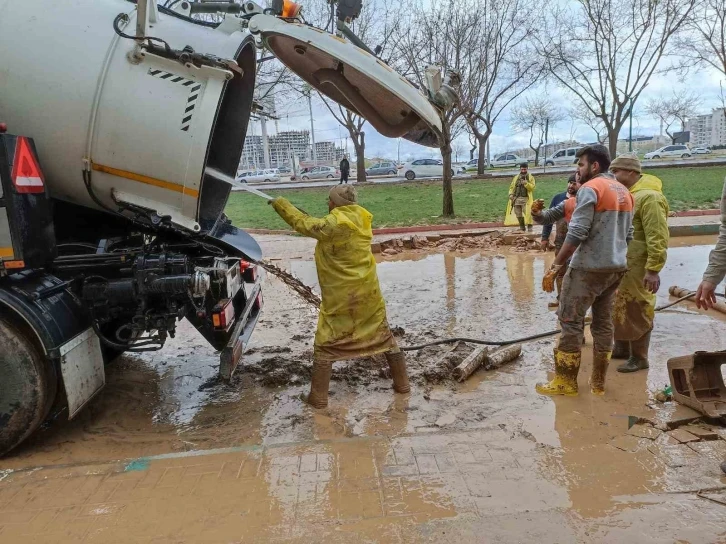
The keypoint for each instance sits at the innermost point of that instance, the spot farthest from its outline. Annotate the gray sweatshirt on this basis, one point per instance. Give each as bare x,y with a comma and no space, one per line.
716,269
601,226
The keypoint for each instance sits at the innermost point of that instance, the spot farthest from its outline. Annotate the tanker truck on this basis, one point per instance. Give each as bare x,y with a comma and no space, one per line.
122,124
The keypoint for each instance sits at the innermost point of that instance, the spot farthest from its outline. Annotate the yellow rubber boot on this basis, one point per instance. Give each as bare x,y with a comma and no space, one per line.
318,396
567,365
600,361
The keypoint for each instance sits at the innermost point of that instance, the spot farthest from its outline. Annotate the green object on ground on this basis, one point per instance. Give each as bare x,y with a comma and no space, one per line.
477,200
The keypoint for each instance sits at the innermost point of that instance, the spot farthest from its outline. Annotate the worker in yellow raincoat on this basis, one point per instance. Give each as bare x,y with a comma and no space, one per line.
352,320
634,307
519,207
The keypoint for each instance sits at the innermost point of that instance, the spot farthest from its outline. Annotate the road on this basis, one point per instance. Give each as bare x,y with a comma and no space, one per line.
503,173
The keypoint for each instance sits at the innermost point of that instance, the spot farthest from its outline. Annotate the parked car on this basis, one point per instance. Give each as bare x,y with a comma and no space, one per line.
472,165
386,168
423,168
268,175
681,151
320,172
702,150
563,156
507,159
285,171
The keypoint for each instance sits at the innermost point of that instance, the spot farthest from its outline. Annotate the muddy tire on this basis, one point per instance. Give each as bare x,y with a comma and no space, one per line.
28,386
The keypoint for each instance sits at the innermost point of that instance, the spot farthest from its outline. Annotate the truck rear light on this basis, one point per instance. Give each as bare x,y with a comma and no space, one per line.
223,314
250,273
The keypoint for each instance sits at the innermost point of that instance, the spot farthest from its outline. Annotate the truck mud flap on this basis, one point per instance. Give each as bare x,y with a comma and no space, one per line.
234,241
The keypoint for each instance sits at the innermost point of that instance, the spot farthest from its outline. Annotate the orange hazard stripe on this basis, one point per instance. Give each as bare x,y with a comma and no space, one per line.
6,252
146,179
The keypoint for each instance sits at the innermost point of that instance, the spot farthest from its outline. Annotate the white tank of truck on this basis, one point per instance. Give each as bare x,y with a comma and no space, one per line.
147,121
121,126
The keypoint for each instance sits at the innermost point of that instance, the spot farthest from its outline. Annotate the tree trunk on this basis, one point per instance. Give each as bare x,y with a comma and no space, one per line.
360,152
448,208
536,157
613,134
482,153
471,153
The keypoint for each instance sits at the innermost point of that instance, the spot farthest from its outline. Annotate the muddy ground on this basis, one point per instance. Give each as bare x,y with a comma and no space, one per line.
603,479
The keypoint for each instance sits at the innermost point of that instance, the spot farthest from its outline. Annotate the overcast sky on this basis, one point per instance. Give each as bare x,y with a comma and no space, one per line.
295,116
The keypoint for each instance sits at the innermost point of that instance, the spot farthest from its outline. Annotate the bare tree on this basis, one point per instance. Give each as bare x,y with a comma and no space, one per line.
458,149
706,44
503,65
670,110
472,143
583,113
379,23
444,35
606,51
534,115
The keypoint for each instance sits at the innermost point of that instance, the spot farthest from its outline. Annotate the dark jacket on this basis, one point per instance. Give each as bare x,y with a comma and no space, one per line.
344,166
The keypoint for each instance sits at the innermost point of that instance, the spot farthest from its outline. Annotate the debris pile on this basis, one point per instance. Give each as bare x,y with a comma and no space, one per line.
451,243
524,243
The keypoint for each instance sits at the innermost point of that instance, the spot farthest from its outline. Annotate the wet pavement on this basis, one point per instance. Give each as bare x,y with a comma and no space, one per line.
167,453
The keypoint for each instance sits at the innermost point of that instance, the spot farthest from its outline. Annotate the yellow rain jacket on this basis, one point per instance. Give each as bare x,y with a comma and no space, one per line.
509,218
352,320
634,308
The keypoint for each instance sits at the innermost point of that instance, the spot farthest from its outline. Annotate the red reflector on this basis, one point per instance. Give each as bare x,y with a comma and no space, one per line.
14,264
243,265
26,174
223,314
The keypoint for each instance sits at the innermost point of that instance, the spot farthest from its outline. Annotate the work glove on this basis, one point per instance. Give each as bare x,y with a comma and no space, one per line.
537,206
548,282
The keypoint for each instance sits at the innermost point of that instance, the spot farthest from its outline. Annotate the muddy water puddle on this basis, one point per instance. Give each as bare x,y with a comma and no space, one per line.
487,447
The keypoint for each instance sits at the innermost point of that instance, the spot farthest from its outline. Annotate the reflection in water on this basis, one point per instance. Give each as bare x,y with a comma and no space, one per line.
521,278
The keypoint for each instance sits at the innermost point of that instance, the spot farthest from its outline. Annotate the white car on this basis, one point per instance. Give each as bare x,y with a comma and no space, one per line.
701,150
507,159
268,175
563,156
422,168
472,166
677,150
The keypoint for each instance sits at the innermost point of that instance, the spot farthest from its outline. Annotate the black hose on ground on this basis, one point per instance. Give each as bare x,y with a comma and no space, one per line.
519,340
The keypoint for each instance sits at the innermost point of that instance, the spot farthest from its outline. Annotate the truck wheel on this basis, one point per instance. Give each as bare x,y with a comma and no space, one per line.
27,386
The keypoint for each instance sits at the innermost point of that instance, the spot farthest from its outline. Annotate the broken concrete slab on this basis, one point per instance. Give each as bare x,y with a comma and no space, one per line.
408,242
683,436
678,455
674,415
627,443
644,431
701,432
715,450
376,247
433,237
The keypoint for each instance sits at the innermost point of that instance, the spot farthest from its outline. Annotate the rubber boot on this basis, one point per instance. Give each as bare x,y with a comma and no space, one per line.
567,365
638,355
529,228
600,361
621,350
318,397
521,224
397,364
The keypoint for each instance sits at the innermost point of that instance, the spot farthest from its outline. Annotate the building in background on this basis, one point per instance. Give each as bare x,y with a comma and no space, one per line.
327,152
252,153
285,145
709,129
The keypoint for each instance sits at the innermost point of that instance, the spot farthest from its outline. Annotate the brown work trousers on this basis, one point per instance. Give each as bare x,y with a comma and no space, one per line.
582,290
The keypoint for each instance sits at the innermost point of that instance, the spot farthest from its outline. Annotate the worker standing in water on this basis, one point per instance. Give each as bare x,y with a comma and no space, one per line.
634,308
519,207
597,244
352,320
565,204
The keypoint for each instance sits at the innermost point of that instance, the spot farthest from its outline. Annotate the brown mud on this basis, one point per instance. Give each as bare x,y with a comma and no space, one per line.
487,456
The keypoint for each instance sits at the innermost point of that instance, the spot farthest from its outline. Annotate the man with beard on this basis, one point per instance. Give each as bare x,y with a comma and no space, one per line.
597,244
573,184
